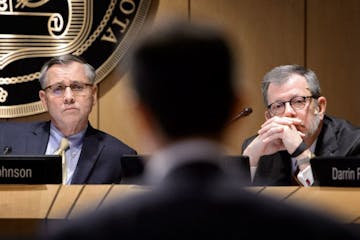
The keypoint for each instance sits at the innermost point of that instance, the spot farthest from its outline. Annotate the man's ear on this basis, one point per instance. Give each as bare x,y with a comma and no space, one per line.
144,116
94,94
321,106
152,133
42,96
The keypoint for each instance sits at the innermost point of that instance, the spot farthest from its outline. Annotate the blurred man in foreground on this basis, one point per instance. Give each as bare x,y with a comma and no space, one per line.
183,79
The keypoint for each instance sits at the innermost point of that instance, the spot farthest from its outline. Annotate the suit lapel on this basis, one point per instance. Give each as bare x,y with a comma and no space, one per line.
90,151
326,144
38,139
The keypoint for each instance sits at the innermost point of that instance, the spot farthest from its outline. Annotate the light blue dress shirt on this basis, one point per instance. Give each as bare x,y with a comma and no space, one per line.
72,153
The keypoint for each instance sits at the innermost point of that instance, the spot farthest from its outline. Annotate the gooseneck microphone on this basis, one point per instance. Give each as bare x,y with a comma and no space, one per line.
7,150
245,112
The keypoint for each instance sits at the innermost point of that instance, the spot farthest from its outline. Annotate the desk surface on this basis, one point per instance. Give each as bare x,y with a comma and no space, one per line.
66,201
342,203
57,201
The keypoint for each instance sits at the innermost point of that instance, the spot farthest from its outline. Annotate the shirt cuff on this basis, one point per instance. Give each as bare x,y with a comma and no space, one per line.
305,177
252,172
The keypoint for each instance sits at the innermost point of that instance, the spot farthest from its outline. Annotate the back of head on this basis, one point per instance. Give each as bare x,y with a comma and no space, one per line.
183,73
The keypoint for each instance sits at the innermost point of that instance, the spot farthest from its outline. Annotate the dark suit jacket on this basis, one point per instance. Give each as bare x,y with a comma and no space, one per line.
99,161
337,138
198,201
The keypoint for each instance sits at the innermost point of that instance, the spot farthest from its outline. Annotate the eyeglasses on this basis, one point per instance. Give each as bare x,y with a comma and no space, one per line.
58,89
297,103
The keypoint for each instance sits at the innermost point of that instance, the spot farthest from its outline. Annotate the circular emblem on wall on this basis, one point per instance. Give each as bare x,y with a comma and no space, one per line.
33,31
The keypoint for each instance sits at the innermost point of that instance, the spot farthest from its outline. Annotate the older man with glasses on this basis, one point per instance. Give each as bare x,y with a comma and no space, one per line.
296,129
69,93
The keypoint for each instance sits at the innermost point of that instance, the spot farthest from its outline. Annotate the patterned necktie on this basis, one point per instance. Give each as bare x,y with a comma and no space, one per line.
64,144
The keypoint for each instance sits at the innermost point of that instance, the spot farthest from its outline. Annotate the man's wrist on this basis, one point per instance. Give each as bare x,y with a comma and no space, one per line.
301,161
305,158
299,150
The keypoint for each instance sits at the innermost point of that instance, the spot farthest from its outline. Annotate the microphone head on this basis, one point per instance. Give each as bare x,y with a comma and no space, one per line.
247,111
7,150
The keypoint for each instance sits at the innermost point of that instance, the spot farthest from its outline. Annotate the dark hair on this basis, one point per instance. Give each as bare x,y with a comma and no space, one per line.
64,60
184,74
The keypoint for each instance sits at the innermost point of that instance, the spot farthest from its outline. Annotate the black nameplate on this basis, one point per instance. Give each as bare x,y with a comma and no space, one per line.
336,171
30,169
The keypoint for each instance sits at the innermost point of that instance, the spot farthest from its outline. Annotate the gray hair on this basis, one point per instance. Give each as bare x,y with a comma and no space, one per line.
281,74
64,60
